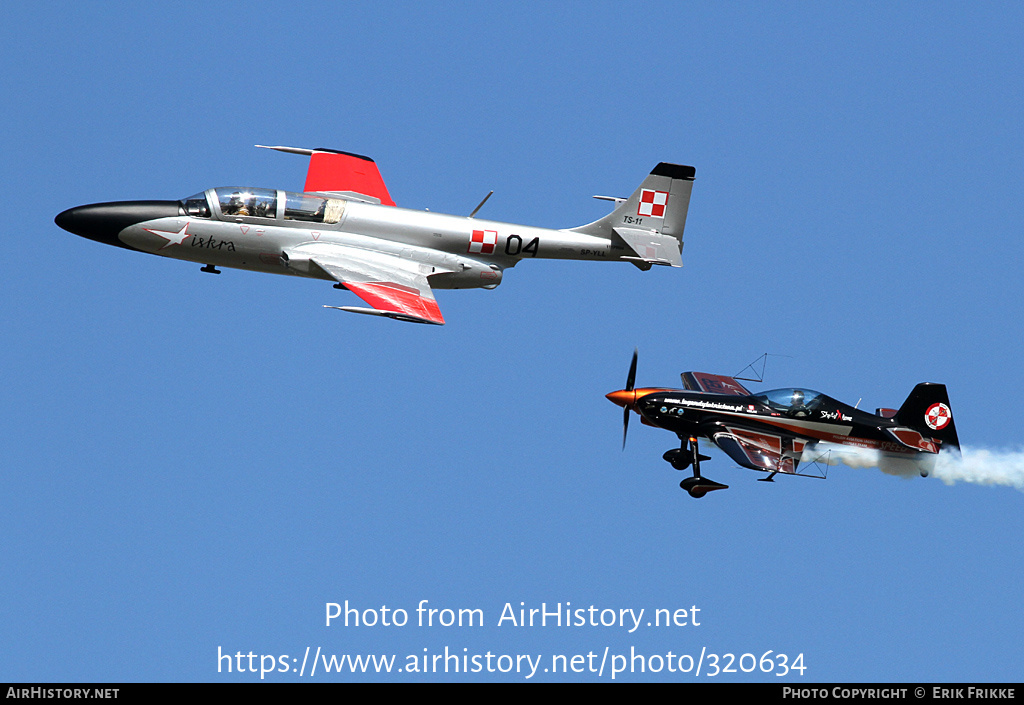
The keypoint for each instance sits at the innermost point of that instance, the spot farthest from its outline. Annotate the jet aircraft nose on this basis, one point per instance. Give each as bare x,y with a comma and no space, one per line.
103,221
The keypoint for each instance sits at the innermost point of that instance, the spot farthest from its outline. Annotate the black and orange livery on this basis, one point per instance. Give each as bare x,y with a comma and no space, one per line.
775,431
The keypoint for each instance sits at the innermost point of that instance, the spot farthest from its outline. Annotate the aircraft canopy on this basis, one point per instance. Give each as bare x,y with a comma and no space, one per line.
792,401
236,202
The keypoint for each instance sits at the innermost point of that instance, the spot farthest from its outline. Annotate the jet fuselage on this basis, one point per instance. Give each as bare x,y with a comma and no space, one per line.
465,252
345,227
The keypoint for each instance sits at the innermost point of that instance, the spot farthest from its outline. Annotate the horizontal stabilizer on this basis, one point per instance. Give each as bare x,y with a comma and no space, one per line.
651,247
913,439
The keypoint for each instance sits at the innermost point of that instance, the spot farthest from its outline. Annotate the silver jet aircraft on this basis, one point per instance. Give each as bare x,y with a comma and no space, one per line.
345,228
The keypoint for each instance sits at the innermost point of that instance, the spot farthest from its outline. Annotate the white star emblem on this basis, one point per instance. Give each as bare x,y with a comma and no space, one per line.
173,238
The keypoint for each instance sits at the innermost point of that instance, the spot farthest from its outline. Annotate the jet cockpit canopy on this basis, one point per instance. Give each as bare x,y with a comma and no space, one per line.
243,202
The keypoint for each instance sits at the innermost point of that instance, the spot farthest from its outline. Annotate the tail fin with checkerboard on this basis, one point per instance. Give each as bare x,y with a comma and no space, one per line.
650,223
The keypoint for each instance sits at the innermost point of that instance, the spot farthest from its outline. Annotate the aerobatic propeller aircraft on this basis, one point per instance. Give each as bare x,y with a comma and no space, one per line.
775,431
344,227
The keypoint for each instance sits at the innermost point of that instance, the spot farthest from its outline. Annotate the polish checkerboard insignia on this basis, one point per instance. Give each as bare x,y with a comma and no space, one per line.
938,416
483,242
652,203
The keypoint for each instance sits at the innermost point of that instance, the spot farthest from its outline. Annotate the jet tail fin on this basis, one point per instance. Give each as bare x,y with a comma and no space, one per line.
927,410
650,222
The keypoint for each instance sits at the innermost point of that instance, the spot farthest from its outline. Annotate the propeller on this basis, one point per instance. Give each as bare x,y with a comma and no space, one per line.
630,381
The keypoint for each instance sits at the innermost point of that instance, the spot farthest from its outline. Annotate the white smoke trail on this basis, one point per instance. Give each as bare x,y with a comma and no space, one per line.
978,465
983,467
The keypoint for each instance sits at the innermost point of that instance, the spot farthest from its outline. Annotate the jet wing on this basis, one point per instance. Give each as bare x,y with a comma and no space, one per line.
720,384
758,450
396,287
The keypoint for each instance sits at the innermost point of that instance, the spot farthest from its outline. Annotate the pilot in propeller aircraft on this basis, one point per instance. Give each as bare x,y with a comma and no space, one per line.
775,431
345,228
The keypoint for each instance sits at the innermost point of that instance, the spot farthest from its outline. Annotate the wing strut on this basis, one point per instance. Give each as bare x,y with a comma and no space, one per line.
755,375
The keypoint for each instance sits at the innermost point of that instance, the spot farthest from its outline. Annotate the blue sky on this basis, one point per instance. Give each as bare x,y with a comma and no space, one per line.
195,463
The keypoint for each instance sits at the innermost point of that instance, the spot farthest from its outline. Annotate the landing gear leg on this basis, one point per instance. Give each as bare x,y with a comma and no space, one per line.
697,457
686,455
698,486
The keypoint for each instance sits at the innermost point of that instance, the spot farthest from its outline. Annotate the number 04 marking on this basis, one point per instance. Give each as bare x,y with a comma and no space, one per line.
517,247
